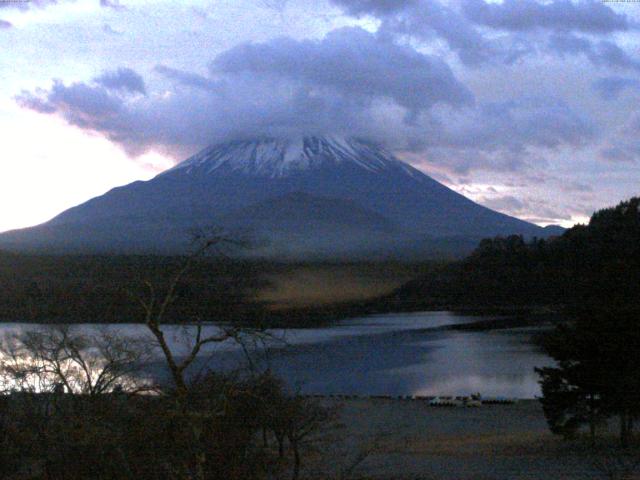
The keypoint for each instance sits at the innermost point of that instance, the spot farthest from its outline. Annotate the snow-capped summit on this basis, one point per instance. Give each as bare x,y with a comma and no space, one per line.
279,157
307,197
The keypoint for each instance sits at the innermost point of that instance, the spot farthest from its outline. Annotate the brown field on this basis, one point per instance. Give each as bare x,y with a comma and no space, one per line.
316,285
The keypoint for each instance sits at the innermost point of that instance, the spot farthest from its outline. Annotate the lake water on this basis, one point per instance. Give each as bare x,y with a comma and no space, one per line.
392,354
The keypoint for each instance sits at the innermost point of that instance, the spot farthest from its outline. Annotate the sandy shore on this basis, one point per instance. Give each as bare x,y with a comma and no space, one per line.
403,439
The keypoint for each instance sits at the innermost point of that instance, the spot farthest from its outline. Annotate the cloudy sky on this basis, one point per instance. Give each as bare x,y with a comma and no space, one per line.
528,107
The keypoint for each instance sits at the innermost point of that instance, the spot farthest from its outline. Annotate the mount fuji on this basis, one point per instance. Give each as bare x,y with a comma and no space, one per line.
311,197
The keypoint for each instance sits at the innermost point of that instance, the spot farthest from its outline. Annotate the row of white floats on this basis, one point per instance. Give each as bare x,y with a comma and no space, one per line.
440,401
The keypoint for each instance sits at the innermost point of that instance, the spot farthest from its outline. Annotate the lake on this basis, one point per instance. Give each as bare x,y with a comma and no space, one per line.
391,354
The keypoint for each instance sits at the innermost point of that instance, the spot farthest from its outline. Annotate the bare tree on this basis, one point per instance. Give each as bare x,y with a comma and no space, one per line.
155,305
301,418
62,358
351,463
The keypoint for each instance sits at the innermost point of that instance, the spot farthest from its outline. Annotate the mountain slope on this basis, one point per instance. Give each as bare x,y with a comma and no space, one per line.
301,225
225,185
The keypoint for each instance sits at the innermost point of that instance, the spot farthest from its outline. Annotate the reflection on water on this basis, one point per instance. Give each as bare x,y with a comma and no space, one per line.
409,355
394,354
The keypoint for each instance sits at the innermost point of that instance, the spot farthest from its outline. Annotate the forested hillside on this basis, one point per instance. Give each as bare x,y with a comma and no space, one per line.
588,264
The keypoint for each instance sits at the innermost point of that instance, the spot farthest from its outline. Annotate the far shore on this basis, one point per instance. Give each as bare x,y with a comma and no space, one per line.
104,289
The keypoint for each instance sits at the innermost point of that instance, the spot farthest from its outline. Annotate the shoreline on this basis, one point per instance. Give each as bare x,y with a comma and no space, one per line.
492,400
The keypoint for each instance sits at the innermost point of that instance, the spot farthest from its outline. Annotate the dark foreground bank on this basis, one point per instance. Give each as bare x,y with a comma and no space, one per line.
404,439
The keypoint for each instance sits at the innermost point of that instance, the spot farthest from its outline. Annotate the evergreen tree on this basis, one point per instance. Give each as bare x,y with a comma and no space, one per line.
597,374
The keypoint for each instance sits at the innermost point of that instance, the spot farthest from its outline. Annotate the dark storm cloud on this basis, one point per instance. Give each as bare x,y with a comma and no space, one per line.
186,78
115,4
601,53
610,88
505,136
122,79
515,125
79,103
591,16
426,19
351,82
525,24
491,137
346,83
27,4
570,44
375,7
609,54
354,62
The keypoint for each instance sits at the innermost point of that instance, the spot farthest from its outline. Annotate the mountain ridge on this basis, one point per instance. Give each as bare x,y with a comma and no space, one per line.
224,182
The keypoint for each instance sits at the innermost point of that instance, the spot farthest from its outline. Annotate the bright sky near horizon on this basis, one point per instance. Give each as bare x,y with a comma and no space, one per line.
528,107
